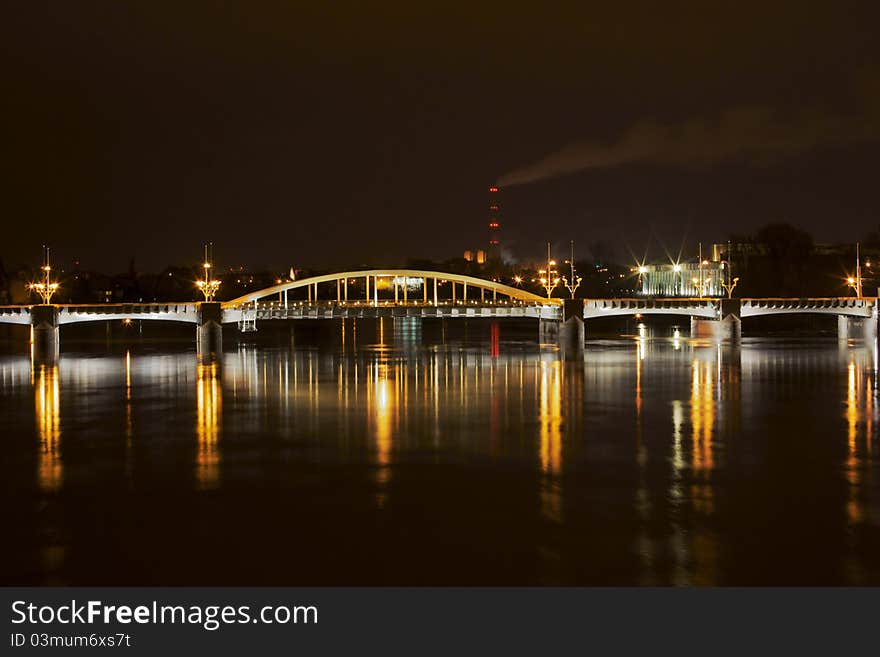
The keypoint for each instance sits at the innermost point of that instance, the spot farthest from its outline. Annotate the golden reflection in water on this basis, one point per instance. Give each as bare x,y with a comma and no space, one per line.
702,413
128,425
381,406
551,416
853,416
640,356
642,498
705,391
209,395
48,401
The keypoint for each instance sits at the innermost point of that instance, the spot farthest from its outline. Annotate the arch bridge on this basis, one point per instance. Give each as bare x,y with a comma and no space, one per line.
407,292
423,293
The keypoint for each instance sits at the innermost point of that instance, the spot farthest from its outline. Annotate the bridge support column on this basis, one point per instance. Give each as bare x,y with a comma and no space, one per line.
571,331
209,331
567,334
45,340
727,328
548,330
856,328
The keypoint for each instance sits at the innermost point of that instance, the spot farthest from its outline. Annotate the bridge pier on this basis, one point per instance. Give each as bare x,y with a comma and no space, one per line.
568,333
209,330
571,331
727,328
45,339
856,328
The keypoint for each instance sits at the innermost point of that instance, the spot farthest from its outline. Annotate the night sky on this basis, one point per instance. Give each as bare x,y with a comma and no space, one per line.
329,134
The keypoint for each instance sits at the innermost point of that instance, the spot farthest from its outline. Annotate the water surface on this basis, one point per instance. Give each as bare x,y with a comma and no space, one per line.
464,454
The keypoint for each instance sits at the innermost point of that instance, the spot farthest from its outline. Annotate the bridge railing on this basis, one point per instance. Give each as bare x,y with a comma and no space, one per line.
388,303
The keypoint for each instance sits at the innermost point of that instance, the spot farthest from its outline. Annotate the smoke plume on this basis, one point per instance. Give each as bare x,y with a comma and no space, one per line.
747,134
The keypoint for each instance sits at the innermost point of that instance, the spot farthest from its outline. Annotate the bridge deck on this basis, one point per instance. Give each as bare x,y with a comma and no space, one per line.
593,308
334,310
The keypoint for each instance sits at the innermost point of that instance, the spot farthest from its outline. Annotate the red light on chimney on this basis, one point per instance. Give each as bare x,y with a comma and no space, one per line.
493,189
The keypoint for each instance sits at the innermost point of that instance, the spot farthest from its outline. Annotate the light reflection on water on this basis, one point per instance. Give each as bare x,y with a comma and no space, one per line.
658,460
209,396
48,413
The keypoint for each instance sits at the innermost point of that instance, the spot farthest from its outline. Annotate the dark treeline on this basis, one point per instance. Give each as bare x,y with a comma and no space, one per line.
780,260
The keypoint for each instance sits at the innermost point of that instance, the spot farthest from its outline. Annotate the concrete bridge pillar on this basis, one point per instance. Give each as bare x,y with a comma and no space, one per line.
45,338
567,333
548,330
571,331
728,326
209,332
856,328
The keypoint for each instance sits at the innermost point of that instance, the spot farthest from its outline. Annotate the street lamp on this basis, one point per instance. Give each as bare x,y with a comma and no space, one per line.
701,285
549,276
855,284
575,281
208,285
728,283
858,271
46,288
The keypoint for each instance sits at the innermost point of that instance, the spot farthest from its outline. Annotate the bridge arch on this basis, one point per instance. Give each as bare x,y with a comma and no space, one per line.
429,296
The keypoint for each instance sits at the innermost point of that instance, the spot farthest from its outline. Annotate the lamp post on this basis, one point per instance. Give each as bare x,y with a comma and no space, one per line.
549,276
46,288
728,283
851,281
208,285
858,271
575,282
855,282
700,284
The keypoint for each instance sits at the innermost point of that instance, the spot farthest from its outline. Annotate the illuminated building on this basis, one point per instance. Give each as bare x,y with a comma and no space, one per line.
685,279
478,256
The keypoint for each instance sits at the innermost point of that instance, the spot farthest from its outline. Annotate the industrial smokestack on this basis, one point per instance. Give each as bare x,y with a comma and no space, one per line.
494,251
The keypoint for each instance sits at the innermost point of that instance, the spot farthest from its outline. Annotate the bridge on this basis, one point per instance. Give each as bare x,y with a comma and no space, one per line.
422,294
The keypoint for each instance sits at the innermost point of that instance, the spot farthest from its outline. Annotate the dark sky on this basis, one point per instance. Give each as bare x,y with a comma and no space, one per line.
327,134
